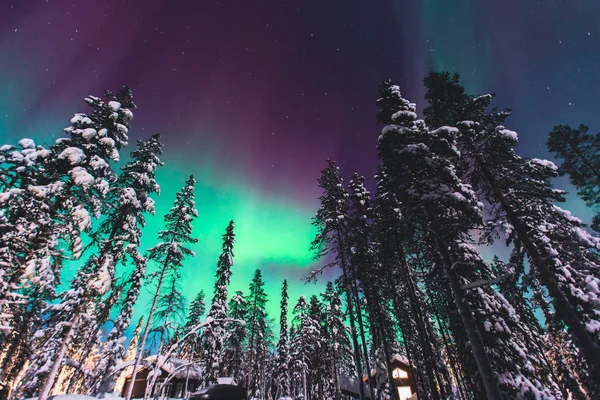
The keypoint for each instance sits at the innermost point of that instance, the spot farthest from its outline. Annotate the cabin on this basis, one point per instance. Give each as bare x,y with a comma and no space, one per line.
181,376
402,380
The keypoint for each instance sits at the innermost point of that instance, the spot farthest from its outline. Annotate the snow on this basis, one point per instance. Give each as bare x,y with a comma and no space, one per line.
81,177
508,134
404,114
445,129
27,143
108,142
88,133
81,119
6,147
127,114
74,154
114,105
545,163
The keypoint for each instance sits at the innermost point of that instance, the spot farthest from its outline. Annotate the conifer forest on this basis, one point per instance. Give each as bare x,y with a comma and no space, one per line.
309,208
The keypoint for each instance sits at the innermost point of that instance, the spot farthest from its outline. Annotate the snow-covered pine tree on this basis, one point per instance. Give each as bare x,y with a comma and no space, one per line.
235,344
28,230
213,336
258,337
337,352
579,152
74,312
332,239
304,345
197,308
79,165
319,379
119,236
368,278
421,166
282,359
522,203
397,279
71,180
169,254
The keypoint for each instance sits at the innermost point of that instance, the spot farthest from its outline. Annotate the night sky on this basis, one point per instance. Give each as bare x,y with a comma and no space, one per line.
253,96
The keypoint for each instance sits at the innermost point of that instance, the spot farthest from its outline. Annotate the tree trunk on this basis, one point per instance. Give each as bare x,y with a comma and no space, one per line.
49,381
140,353
484,366
361,386
565,310
362,336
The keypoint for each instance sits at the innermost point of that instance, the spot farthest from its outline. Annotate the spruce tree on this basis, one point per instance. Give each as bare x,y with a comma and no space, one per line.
258,337
304,345
422,169
397,279
213,337
169,254
235,344
332,240
79,166
282,360
128,202
522,204
337,352
197,309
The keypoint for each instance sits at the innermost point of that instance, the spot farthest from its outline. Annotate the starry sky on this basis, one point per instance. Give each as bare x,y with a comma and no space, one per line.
253,96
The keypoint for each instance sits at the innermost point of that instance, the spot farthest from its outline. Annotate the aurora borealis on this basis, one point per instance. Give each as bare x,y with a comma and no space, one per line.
253,96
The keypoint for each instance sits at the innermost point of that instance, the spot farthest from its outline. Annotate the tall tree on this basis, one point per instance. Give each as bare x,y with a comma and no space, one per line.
305,344
213,337
128,202
338,349
522,204
422,167
282,360
169,254
332,240
80,165
258,337
235,342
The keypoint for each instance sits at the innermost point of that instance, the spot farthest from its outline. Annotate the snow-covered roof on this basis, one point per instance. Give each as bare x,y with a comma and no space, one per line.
176,367
226,380
400,359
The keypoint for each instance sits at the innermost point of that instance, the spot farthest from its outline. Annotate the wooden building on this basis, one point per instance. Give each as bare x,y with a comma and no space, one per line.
177,379
402,379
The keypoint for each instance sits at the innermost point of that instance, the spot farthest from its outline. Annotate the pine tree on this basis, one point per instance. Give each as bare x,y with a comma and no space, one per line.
397,280
79,167
197,309
304,345
337,353
170,310
128,202
235,343
258,337
282,360
579,152
169,254
332,239
522,203
213,336
421,168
